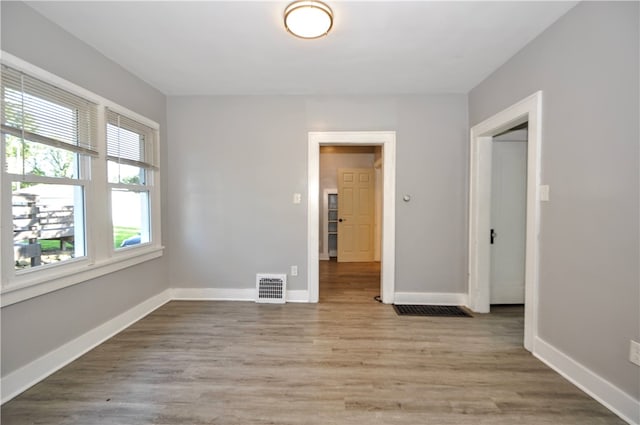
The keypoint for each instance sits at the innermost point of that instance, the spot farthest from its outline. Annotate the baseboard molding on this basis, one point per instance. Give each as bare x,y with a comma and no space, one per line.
228,294
30,374
214,294
607,394
324,257
298,296
432,298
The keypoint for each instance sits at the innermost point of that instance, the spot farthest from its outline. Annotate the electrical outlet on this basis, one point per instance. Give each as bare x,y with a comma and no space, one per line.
294,270
634,352
544,192
297,198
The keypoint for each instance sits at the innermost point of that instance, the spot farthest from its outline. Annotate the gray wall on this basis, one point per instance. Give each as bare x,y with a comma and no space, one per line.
236,162
586,64
34,327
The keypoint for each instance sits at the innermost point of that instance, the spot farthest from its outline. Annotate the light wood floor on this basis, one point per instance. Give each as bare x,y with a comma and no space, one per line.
346,360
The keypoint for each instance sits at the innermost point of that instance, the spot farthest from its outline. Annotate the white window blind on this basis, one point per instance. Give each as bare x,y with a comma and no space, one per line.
130,142
35,111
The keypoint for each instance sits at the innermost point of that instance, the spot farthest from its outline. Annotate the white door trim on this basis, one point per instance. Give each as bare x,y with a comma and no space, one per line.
386,139
527,110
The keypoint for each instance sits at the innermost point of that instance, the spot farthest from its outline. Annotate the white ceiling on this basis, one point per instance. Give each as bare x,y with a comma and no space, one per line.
241,47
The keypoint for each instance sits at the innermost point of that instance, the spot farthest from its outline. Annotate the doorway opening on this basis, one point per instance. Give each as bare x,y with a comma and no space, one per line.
508,216
350,223
527,111
385,142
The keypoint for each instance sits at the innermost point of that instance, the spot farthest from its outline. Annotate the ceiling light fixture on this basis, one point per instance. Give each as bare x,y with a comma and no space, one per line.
308,19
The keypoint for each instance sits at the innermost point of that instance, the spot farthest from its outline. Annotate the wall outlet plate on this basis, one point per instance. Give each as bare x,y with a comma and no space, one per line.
544,193
634,352
294,270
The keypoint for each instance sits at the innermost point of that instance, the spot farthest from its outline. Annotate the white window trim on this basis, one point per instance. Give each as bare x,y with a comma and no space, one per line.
101,257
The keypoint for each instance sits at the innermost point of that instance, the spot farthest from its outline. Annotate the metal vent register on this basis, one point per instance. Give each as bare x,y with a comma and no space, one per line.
271,288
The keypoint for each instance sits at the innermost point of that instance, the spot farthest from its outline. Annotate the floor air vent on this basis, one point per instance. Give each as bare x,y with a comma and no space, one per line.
271,288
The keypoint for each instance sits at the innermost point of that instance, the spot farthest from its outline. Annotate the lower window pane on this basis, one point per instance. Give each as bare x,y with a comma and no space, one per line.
48,223
130,215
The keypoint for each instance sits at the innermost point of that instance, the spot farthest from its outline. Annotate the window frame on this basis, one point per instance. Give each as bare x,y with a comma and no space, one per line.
150,180
100,256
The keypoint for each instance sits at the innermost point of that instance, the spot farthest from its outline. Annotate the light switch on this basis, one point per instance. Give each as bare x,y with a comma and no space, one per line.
544,192
297,198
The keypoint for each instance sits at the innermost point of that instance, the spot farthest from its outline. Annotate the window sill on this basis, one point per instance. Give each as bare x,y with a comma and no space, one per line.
43,283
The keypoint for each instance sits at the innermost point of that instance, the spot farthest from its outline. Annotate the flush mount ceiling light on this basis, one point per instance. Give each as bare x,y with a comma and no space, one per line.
308,19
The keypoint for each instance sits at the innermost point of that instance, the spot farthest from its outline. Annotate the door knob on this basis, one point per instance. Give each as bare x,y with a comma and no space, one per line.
341,220
494,235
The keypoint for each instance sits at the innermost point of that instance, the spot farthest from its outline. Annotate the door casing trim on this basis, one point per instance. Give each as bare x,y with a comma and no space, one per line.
527,110
386,139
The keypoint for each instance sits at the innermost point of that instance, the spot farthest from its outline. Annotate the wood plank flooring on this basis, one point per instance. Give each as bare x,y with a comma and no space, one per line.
346,360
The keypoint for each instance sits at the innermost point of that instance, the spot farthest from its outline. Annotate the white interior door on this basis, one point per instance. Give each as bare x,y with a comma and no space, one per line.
508,221
356,191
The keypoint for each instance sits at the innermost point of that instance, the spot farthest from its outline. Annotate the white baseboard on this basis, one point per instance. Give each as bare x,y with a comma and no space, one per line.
610,396
30,374
214,294
432,298
298,296
227,294
324,257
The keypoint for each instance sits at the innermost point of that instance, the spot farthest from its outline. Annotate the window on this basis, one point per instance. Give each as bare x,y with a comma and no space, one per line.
48,136
130,156
79,184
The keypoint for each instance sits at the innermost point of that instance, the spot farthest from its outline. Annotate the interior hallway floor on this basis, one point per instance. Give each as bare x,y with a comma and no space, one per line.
346,360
